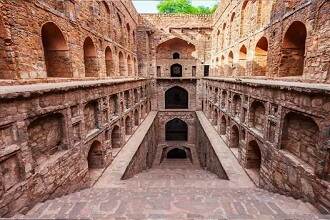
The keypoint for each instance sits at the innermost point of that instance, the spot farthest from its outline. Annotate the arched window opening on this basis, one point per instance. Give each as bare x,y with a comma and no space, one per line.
253,156
223,99
122,67
136,96
128,126
176,56
258,118
136,118
135,68
129,65
115,137
293,50
242,60
90,116
56,51
143,112
300,137
176,153
223,126
176,130
95,156
260,58
230,63
127,99
90,58
114,106
109,65
45,137
237,103
176,70
234,137
176,98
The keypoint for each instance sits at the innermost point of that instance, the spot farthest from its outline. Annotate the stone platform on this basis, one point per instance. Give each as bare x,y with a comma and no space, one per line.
174,190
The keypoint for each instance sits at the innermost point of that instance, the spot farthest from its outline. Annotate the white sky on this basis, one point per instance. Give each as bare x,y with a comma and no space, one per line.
150,6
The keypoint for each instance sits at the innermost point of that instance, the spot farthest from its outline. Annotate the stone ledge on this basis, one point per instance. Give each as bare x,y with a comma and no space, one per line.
287,85
233,169
114,173
9,92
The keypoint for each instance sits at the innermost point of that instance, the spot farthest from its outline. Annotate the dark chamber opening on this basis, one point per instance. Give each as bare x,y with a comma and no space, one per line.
176,70
176,56
176,153
176,98
176,130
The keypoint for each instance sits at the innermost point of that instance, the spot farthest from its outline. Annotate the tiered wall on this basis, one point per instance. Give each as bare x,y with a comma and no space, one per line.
158,31
279,133
55,141
280,39
66,39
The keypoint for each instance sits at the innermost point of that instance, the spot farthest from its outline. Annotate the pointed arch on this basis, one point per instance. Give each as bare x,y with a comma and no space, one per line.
176,98
129,65
230,63
293,50
122,66
95,156
109,64
56,51
90,58
260,57
176,130
242,60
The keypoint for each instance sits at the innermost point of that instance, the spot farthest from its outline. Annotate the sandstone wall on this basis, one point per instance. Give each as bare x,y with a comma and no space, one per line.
52,140
30,46
284,40
206,155
145,155
157,31
280,134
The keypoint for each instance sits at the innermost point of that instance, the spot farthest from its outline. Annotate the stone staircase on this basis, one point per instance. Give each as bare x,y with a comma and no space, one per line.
174,190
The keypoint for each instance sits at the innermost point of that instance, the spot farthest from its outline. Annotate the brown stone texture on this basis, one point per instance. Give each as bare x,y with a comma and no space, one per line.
275,39
52,142
65,38
281,143
78,78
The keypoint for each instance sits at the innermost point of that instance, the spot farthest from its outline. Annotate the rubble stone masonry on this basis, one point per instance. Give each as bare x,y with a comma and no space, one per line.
78,77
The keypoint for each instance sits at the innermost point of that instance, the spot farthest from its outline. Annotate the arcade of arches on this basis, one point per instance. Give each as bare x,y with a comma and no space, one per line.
93,90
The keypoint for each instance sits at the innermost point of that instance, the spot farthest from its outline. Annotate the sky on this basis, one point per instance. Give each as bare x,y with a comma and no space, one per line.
150,6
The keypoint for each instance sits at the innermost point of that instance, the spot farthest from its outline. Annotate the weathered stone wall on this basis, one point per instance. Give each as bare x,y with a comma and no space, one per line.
145,155
281,134
52,139
274,39
56,34
206,155
161,86
163,31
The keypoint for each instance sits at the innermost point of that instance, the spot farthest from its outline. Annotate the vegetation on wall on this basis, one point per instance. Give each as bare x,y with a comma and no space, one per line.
183,7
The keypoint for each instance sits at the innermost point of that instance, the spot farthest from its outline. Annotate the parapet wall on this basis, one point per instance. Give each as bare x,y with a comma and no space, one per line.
55,139
280,132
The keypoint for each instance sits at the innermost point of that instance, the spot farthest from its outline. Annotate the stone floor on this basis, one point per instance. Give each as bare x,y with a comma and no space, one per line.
174,190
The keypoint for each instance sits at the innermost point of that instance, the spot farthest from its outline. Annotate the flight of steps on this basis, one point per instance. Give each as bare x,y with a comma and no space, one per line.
175,190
